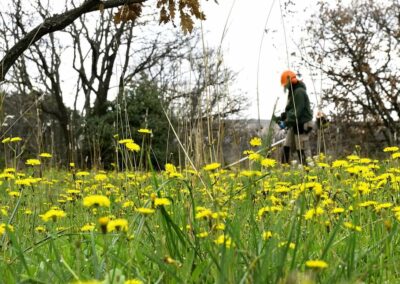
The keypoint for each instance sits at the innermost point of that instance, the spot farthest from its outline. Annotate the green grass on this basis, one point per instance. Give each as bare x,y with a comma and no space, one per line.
212,229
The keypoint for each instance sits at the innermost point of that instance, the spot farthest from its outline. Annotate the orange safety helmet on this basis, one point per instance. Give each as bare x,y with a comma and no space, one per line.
288,75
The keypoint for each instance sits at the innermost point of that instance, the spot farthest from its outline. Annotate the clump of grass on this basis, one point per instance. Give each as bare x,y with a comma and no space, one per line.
336,221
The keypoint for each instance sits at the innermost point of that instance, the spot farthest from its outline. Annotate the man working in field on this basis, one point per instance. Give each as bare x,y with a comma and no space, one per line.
297,118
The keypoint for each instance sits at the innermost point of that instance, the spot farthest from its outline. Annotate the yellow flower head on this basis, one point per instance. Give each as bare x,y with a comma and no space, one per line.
119,225
224,240
396,155
318,264
32,162
133,281
340,164
284,244
170,168
4,227
40,229
255,157
132,147
353,158
127,204
202,235
88,227
82,173
352,227
268,163
100,177
45,155
124,141
145,211
255,141
391,149
161,201
103,222
15,139
96,200
212,166
144,131
53,214
266,235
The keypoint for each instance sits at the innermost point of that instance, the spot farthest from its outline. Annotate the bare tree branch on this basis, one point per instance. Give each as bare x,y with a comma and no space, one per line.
52,24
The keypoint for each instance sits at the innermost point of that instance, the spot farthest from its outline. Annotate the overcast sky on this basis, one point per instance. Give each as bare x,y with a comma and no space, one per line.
246,27
247,32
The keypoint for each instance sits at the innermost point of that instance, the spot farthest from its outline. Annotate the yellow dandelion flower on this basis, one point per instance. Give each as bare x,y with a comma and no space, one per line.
100,177
6,140
4,211
255,141
161,201
96,200
53,214
88,227
127,204
268,163
367,203
145,131
283,244
337,210
202,235
133,281
7,176
145,211
255,157
15,139
396,155
10,170
14,193
82,174
103,222
248,152
205,213
212,166
119,225
32,162
4,227
25,181
318,264
170,168
223,240
40,229
266,235
381,206
352,227
220,226
391,149
313,212
365,161
131,146
124,141
353,158
45,155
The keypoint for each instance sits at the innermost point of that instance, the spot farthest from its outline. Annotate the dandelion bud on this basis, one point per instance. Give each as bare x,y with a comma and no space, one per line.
103,221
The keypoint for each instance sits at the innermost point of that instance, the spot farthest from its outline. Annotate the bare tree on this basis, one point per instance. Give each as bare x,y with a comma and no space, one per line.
356,46
127,11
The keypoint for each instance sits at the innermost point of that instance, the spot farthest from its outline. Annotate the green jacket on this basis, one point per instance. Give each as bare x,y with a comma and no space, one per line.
301,103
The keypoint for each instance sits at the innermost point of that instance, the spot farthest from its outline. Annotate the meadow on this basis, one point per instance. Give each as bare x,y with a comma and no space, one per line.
333,221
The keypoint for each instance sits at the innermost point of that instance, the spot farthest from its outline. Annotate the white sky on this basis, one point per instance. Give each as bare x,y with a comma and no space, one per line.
241,46
245,33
